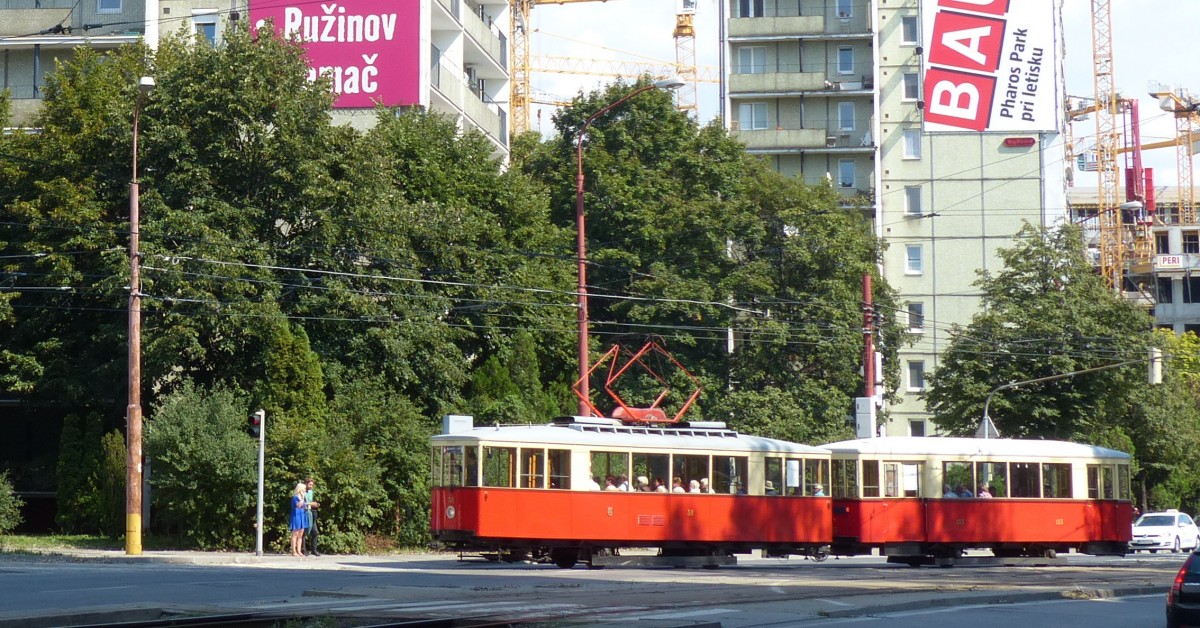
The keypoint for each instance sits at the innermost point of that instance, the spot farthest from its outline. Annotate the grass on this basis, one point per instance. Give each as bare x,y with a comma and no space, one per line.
43,542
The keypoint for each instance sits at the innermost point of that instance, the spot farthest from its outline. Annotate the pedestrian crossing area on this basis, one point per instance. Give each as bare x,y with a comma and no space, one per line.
514,611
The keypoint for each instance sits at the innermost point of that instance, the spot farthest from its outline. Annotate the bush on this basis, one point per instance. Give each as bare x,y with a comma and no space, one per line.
10,506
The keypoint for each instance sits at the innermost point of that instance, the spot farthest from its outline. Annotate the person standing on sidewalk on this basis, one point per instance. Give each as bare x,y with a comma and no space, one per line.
311,533
297,519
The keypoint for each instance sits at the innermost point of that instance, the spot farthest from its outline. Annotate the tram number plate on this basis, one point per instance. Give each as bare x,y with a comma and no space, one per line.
1058,522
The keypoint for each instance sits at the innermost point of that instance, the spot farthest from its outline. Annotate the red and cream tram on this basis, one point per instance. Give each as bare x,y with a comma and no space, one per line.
921,500
572,490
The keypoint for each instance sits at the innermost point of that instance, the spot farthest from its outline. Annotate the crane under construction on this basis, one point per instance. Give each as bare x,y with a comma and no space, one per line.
521,92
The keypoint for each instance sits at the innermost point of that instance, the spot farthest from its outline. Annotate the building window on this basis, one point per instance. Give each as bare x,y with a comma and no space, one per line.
908,30
205,24
1191,289
916,375
752,116
912,144
846,173
1162,244
751,8
912,201
108,6
1191,241
916,317
752,60
845,8
912,90
1164,290
912,259
916,428
846,116
845,60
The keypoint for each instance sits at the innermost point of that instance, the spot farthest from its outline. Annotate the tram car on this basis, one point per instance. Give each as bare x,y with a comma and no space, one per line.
581,489
927,500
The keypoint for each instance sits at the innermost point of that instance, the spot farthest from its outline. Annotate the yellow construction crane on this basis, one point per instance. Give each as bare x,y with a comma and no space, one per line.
519,35
620,69
1112,256
1185,108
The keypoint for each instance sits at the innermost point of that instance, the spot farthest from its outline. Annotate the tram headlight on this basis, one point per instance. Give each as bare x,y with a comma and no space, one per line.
450,512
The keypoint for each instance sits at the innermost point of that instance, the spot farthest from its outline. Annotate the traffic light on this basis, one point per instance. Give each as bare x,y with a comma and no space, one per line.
256,421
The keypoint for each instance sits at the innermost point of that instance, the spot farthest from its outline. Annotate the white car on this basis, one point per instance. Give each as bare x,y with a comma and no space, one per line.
1171,530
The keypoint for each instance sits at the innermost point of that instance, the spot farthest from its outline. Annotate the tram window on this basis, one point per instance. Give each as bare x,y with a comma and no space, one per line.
1056,480
533,465
844,481
558,464
610,463
452,466
870,478
891,479
773,477
792,479
1101,481
688,468
993,476
471,465
816,474
499,466
1025,479
653,466
958,478
1123,489
729,475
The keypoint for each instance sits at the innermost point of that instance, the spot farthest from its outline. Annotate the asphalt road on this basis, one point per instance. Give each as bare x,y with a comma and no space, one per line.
756,592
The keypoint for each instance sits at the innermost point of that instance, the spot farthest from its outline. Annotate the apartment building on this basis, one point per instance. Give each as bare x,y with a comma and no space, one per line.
450,56
939,118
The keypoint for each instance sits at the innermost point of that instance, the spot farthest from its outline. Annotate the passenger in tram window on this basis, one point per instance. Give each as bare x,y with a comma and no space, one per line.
983,492
610,484
643,484
659,487
622,483
818,490
963,491
704,487
948,492
769,488
595,483
693,487
677,485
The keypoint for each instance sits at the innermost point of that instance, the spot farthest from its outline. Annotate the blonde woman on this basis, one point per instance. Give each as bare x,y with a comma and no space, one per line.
298,518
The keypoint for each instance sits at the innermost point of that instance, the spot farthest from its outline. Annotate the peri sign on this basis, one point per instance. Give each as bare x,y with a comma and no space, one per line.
370,50
989,65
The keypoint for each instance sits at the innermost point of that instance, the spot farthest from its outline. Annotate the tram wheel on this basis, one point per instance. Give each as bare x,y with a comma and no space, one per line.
564,557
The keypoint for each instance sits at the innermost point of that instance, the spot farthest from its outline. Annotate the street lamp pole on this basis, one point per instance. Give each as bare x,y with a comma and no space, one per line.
133,460
581,235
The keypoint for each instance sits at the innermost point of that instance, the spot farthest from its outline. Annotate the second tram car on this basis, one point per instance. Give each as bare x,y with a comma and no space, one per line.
583,488
919,500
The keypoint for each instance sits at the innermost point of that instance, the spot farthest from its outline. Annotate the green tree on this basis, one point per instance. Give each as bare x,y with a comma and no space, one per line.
1045,313
10,506
203,467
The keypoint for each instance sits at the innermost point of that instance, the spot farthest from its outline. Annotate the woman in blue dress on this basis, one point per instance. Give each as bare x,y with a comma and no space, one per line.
298,518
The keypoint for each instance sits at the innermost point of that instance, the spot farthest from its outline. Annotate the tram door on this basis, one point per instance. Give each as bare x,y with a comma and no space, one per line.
902,518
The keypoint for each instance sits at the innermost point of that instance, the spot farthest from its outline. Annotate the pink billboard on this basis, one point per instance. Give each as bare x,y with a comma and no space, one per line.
369,49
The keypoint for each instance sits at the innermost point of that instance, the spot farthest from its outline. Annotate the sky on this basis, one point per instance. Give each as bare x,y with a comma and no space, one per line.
1153,40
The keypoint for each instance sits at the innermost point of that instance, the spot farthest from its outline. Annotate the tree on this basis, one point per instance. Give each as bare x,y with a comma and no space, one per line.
10,506
1044,314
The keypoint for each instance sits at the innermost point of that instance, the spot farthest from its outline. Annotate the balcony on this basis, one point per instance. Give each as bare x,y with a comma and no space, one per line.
780,140
777,82
770,27
488,39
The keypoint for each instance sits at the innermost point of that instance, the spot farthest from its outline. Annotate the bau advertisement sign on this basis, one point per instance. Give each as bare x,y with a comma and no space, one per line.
989,65
369,49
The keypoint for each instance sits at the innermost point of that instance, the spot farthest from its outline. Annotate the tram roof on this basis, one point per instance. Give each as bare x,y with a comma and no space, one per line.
618,436
973,447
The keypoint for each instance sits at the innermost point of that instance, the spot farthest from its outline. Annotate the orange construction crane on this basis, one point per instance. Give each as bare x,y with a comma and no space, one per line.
520,98
1112,258
1186,110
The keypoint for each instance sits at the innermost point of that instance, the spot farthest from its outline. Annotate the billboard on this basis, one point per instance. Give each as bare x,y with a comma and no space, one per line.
369,49
989,65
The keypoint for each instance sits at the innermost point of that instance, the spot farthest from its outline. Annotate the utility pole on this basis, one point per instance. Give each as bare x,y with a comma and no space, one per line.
864,407
260,421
